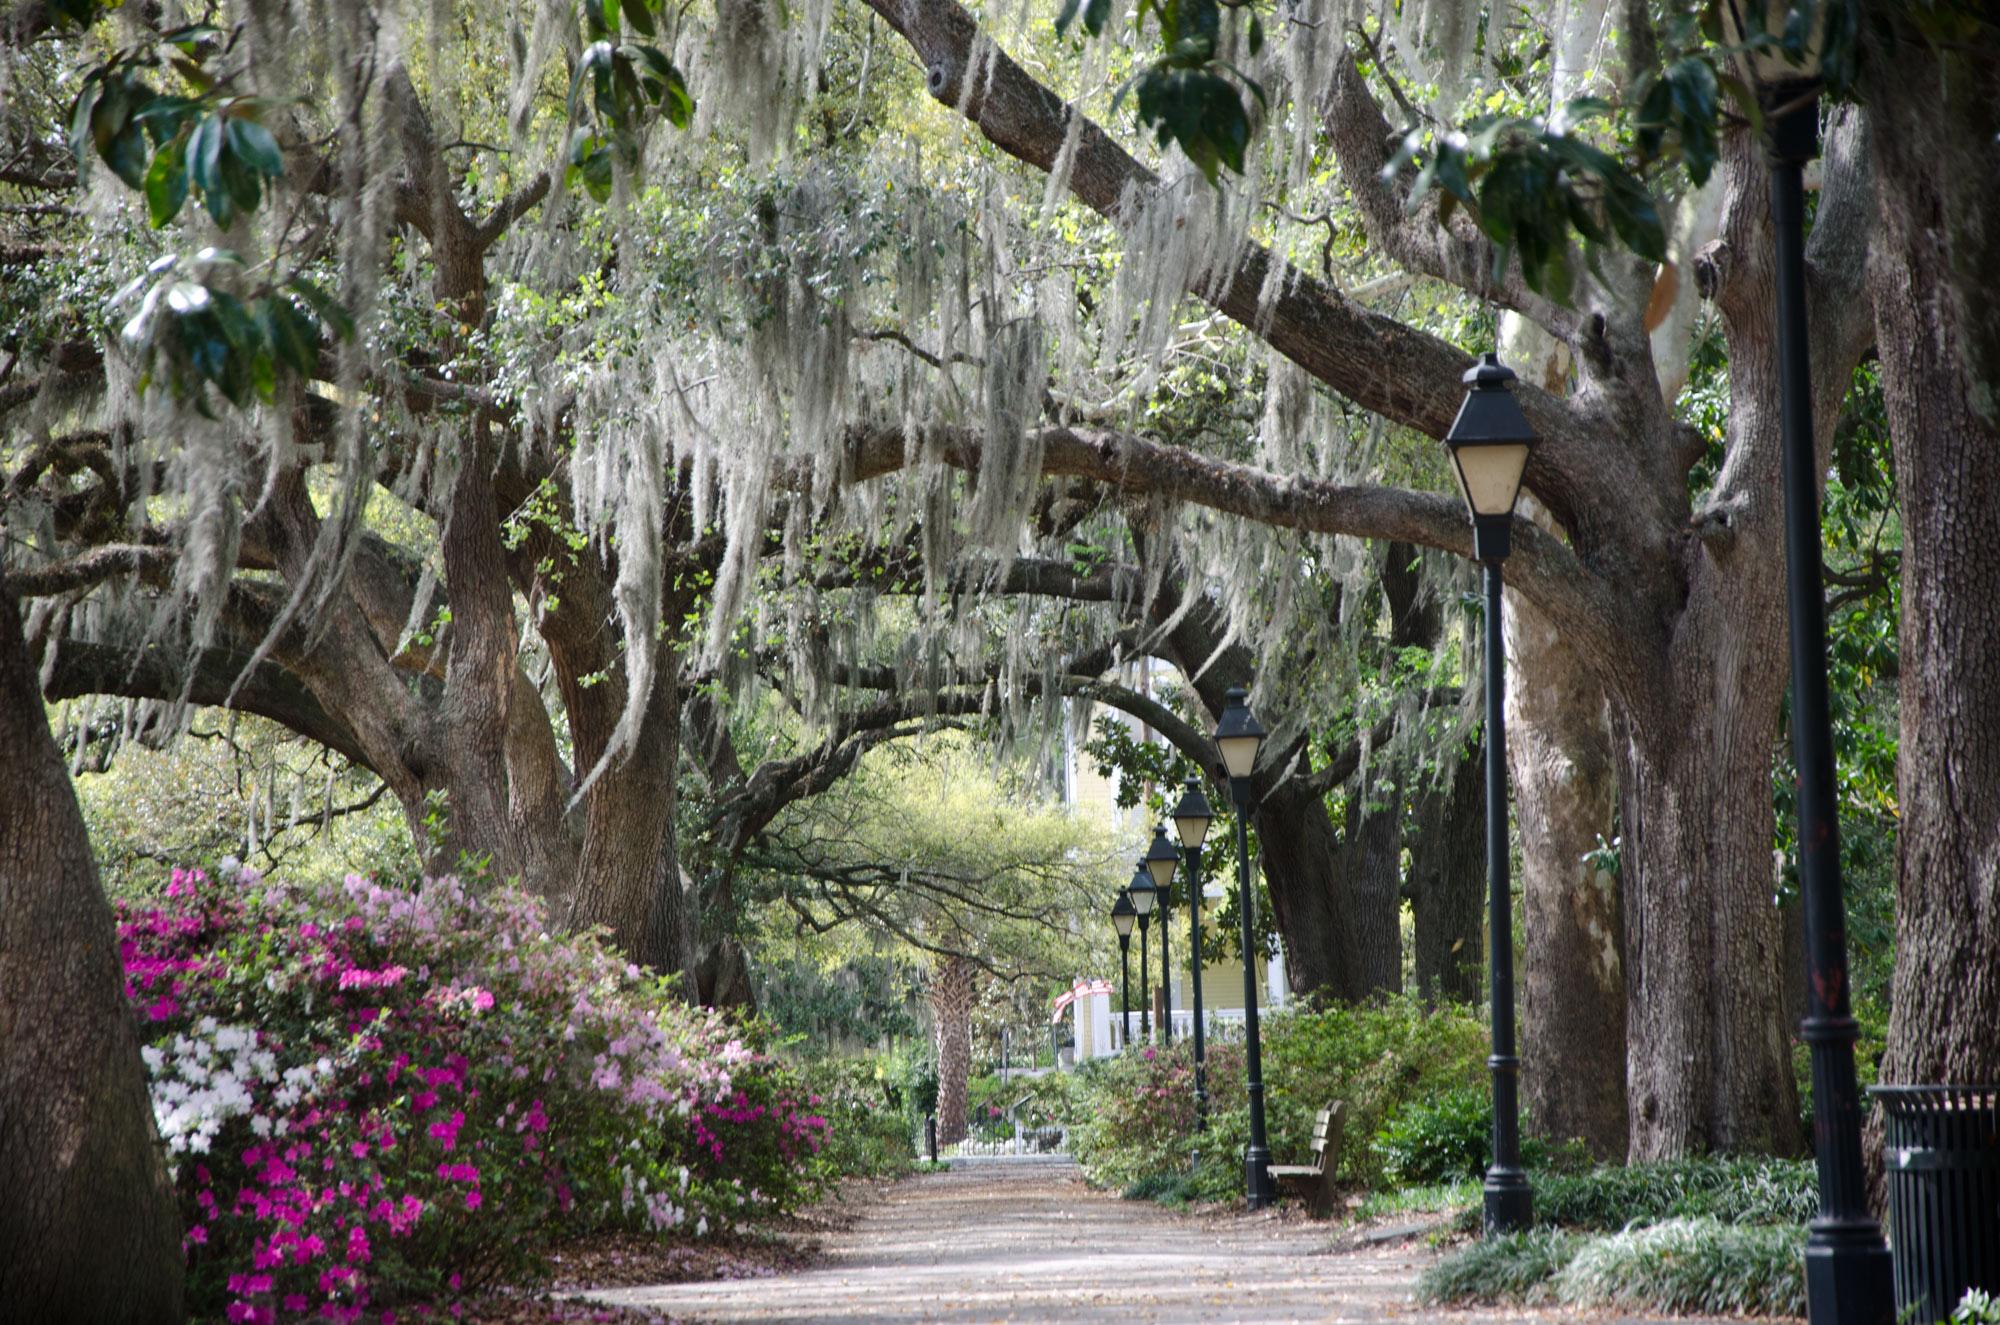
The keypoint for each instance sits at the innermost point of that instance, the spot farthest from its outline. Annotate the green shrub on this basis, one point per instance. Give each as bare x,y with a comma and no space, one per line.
1750,1191
1438,1140
1690,1266
1165,1188
1514,1268
1378,1059
1134,1115
867,1134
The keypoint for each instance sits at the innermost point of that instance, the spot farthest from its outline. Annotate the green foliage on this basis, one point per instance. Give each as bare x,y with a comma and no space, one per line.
1430,1200
1704,1266
884,861
1514,1268
868,1133
1189,93
1163,1188
1530,182
1432,1141
203,321
233,786
1378,1059
1750,1190
1690,1266
1133,1116
193,333
628,83
863,1001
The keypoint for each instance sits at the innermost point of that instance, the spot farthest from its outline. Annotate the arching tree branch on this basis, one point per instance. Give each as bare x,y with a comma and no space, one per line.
1406,375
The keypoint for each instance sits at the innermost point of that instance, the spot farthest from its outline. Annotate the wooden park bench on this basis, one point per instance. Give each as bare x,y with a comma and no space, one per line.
1314,1182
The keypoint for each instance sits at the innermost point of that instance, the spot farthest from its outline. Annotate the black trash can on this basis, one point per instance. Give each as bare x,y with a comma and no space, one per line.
1941,1152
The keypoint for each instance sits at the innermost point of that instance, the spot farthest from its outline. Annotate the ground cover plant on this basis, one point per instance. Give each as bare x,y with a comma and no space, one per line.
375,1097
1717,1235
1700,1265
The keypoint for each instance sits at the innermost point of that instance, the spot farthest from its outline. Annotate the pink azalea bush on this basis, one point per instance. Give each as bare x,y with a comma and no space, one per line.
378,1099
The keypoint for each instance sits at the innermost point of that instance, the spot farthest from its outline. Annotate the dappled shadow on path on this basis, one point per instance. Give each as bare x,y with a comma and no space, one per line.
1030,1243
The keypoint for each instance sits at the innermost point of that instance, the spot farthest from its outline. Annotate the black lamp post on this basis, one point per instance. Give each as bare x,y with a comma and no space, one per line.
1123,917
1489,443
1848,1270
1191,819
1160,860
1238,735
1144,897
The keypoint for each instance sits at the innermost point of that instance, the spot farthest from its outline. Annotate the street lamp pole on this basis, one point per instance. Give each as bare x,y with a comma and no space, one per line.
1145,897
1848,1270
1849,1276
1191,820
1489,442
1160,861
1123,917
1145,994
1238,735
1166,964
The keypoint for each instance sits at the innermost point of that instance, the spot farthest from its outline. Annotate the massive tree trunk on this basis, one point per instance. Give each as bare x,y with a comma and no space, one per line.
1934,269
88,1225
628,878
1304,869
1709,1063
951,1017
1573,986
1371,875
1447,846
1561,782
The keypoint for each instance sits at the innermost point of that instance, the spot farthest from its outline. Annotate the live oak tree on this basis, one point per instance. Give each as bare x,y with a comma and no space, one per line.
90,1228
654,486
1931,83
1670,604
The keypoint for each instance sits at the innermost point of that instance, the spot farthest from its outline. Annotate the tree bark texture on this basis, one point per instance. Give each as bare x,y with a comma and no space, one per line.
1934,270
1447,847
89,1231
1371,867
1573,976
1564,797
951,1017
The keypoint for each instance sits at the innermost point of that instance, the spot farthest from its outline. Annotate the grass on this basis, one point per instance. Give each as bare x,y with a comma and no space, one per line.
1744,1191
1689,1266
1686,1265
1718,1236
1518,1267
1427,1200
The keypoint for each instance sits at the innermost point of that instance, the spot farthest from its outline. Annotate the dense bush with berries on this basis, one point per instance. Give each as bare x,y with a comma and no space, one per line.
376,1097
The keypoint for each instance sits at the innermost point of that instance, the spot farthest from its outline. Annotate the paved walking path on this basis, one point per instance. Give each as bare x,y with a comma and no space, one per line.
1030,1243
